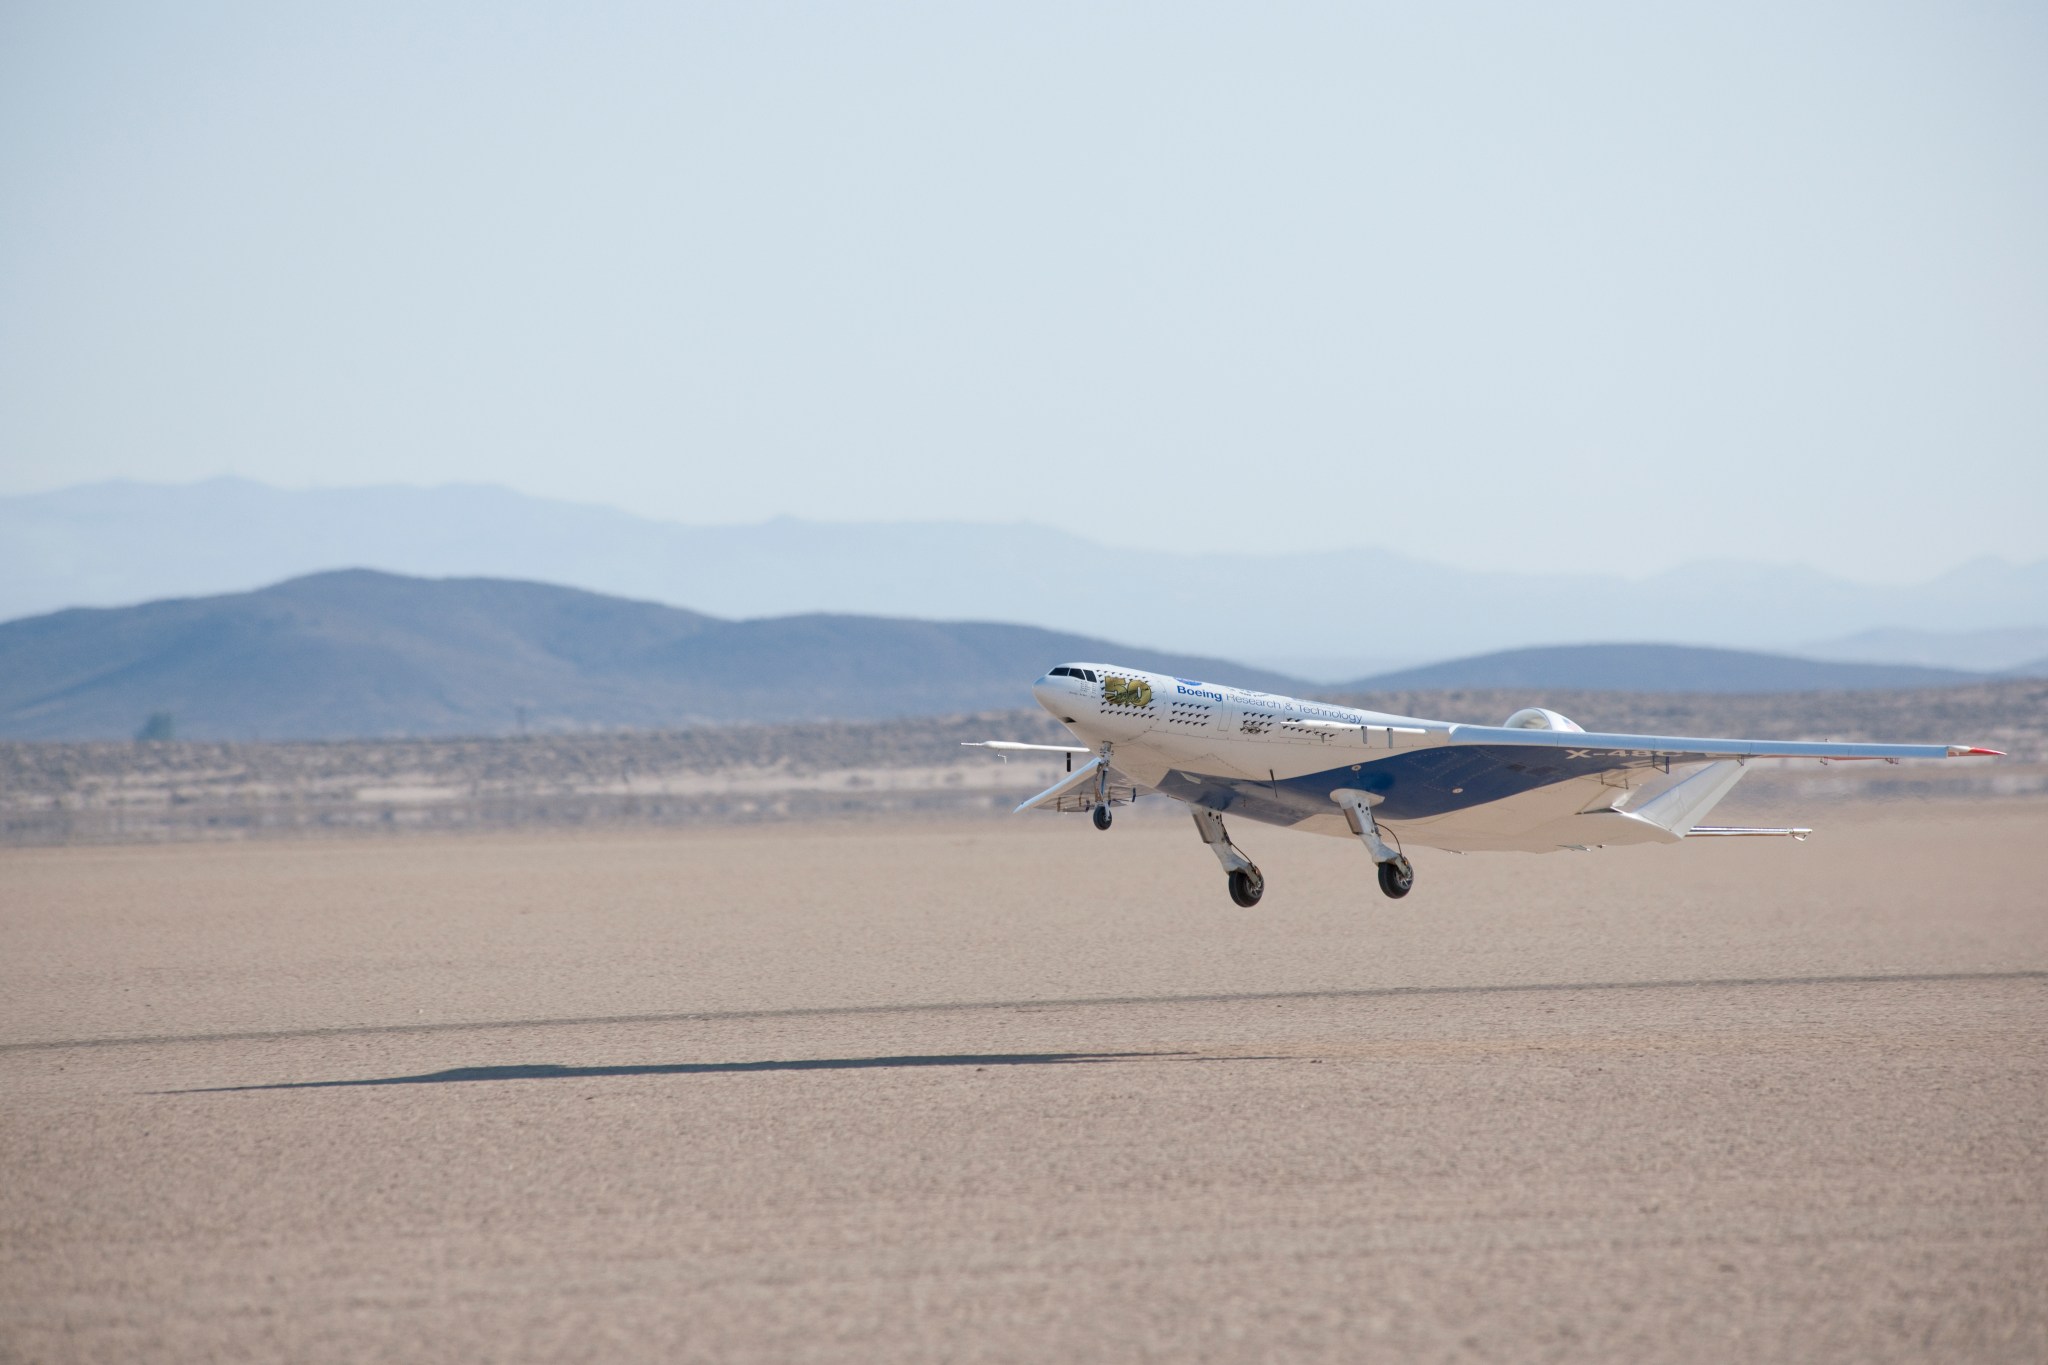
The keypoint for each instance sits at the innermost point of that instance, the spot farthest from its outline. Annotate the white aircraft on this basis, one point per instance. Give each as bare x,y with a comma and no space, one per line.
1537,783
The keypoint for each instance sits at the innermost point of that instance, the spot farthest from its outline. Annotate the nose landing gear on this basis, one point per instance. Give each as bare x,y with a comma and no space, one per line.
1101,814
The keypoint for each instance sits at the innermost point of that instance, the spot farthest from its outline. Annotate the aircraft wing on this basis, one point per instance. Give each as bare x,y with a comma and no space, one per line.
1591,752
1469,787
1077,790
1075,782
1473,758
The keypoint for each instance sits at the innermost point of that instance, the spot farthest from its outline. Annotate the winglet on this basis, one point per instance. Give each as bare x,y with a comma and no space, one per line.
1972,751
1675,811
1074,780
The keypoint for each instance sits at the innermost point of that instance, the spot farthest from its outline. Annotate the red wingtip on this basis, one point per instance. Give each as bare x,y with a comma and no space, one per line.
1969,751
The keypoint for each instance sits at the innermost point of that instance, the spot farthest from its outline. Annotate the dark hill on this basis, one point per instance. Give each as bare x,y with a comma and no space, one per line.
357,653
1658,668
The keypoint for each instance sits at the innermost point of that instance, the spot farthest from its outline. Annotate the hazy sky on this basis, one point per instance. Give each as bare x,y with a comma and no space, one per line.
1543,287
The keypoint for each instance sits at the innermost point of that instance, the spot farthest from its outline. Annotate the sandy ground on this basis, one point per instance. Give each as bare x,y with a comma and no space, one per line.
973,1091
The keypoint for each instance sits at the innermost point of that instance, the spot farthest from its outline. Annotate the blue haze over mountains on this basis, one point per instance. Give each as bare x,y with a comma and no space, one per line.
356,653
1324,614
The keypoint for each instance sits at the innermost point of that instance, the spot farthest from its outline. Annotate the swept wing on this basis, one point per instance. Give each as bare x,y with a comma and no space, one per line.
1639,750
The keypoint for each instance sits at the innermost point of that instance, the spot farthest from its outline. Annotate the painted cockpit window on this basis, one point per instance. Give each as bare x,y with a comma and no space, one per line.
1126,691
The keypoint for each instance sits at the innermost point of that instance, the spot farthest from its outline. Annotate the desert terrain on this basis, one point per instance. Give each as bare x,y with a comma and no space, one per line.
961,1089
103,792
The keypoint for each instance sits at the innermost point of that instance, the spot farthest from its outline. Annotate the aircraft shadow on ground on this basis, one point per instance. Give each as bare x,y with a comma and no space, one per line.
547,1071
1360,993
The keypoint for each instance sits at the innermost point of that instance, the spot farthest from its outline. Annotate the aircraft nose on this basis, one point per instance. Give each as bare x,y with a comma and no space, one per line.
1047,690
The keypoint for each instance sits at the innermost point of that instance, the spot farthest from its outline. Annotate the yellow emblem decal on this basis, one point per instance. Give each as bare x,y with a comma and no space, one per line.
1126,691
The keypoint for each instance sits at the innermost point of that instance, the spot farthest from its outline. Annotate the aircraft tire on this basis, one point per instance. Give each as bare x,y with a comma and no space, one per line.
1102,817
1397,878
1246,886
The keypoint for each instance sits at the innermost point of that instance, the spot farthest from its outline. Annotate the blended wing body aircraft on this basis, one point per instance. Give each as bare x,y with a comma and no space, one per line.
1536,783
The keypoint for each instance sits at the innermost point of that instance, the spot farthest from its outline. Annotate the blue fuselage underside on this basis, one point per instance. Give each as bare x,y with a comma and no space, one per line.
1410,786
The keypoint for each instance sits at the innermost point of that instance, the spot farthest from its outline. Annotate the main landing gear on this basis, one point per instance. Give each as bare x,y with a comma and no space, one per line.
1246,882
1101,817
1397,874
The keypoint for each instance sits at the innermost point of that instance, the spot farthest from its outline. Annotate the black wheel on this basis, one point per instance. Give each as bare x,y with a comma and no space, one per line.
1397,878
1102,817
1246,886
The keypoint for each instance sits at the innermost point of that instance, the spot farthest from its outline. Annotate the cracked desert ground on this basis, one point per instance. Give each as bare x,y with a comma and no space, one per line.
974,1090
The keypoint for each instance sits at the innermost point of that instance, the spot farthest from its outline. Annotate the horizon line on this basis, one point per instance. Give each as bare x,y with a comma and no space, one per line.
611,509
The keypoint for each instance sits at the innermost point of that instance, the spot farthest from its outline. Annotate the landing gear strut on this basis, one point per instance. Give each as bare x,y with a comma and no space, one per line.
1397,874
1246,882
1101,814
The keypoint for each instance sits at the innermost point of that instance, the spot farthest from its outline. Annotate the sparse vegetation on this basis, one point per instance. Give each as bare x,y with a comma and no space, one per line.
64,792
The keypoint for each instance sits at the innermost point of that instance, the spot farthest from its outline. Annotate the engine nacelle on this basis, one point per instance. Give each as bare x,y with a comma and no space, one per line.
1537,718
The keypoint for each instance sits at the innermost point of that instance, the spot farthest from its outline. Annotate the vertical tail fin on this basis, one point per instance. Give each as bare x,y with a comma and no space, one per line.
1676,811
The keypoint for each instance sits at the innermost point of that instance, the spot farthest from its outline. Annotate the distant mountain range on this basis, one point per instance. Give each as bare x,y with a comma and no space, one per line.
359,653
1661,668
2021,650
1331,615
